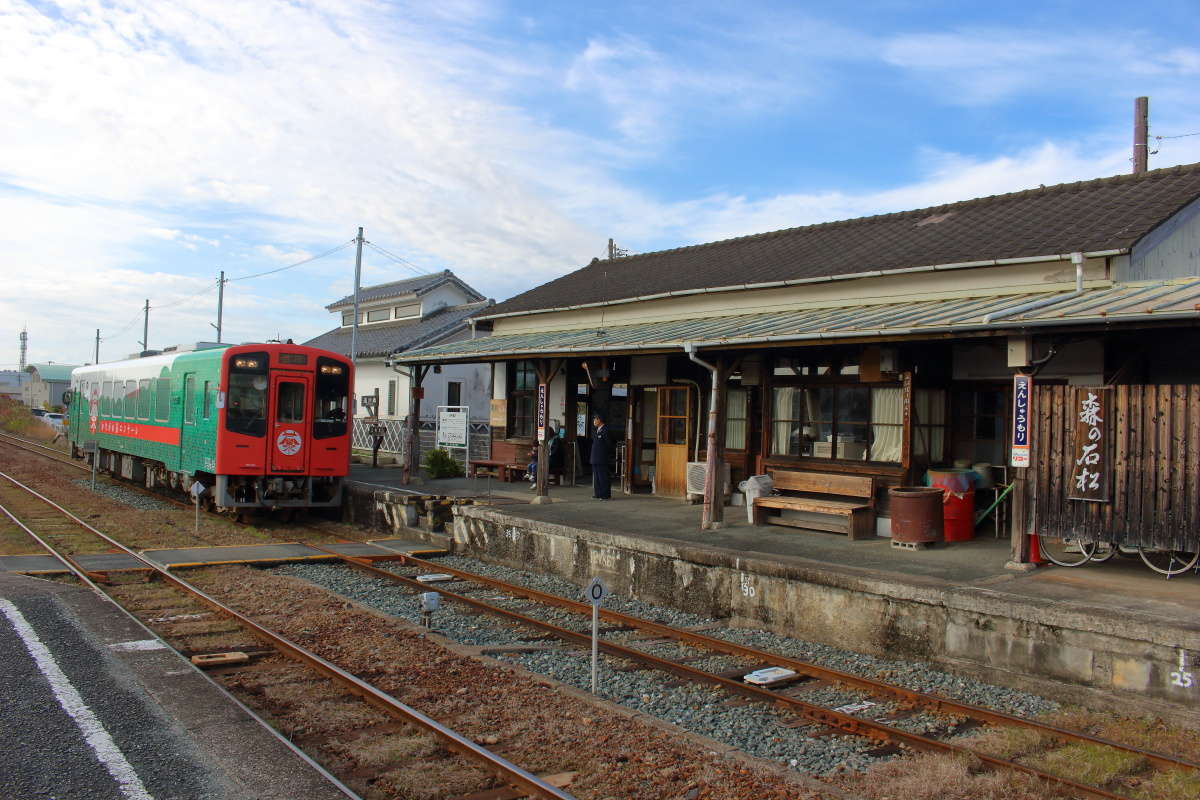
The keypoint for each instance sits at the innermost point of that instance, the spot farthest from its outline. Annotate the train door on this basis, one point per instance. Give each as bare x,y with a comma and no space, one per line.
671,449
289,432
187,420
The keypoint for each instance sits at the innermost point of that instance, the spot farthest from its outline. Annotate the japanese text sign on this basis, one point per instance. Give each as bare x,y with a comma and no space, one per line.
1090,473
1022,392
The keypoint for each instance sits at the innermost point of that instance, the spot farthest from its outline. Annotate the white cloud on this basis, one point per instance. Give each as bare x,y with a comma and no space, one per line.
244,136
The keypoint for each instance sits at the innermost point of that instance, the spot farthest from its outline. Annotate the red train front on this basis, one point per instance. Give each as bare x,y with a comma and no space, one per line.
283,427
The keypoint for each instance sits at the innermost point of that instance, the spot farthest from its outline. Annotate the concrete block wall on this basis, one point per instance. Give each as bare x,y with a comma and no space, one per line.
1065,651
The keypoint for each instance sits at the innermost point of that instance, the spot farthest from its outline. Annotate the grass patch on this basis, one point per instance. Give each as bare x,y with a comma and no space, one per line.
1088,763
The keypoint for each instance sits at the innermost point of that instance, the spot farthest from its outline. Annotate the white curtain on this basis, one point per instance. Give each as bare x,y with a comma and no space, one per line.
887,429
785,414
735,419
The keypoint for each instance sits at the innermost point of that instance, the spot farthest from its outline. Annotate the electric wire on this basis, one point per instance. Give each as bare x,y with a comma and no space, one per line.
342,246
396,258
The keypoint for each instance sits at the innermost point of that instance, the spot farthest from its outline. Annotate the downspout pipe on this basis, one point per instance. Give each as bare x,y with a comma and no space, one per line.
1077,260
713,510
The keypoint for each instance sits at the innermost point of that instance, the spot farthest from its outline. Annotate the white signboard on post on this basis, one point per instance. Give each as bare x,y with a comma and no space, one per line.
452,426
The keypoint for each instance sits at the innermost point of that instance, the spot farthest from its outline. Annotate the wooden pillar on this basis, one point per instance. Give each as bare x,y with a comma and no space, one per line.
546,371
417,391
1019,518
714,500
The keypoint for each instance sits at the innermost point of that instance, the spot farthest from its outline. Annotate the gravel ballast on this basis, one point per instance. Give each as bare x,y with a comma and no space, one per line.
710,712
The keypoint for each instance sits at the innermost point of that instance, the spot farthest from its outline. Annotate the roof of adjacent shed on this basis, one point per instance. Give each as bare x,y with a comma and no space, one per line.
1089,216
385,338
51,372
422,284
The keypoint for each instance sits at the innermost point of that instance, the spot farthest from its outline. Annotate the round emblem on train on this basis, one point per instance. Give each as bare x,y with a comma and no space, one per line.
289,442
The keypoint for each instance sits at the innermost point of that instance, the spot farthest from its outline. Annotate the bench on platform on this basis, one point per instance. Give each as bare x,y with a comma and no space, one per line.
508,462
826,502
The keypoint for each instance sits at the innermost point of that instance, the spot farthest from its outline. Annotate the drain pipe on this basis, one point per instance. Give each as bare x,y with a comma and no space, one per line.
1077,260
712,504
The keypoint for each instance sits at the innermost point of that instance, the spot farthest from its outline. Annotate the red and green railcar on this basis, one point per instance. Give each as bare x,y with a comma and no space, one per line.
258,425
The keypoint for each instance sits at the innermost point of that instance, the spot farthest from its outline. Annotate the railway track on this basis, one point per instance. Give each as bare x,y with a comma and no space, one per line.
636,641
642,637
60,532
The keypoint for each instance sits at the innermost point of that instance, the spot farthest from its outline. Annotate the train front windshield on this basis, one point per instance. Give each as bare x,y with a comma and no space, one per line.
246,402
333,392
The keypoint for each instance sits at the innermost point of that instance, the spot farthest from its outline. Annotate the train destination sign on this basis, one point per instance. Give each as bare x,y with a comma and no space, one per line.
1022,392
1090,473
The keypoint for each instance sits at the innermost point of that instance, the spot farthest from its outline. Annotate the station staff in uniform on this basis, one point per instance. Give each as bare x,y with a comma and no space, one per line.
602,449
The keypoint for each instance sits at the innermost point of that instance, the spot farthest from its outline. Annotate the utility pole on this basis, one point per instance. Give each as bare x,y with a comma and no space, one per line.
1141,131
357,279
146,327
220,303
97,359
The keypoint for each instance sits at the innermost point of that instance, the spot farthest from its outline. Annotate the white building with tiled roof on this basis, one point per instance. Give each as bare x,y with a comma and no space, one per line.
400,315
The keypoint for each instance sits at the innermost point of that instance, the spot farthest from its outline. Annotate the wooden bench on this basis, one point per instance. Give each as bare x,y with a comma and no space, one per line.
508,462
821,497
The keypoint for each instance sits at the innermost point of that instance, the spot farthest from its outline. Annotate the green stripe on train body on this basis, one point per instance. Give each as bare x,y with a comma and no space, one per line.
170,394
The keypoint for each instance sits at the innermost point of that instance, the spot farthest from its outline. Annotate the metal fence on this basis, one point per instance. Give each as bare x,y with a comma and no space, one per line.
395,438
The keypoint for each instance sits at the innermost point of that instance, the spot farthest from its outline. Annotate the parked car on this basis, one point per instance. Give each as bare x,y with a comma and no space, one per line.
38,412
54,419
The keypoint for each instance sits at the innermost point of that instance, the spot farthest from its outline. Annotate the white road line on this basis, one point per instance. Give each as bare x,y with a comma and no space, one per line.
93,731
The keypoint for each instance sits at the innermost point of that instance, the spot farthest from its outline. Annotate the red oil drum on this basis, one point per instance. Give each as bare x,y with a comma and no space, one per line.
958,507
916,513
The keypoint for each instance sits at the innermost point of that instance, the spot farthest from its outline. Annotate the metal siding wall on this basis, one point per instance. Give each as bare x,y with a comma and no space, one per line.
1170,251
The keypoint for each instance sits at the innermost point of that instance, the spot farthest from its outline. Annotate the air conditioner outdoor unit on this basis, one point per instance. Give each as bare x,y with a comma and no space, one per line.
695,477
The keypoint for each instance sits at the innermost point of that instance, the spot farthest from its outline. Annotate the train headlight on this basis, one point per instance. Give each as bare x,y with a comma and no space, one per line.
246,363
332,369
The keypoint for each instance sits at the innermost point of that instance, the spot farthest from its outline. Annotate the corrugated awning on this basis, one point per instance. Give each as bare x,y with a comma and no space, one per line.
1161,300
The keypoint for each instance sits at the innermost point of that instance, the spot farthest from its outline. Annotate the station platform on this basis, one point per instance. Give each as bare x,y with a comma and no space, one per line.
96,710
275,553
1117,627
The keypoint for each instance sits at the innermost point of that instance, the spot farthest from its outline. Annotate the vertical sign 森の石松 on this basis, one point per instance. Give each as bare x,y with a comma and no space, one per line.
1090,472
1022,392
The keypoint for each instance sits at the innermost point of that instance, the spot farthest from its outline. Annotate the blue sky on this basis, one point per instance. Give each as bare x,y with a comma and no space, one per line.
148,145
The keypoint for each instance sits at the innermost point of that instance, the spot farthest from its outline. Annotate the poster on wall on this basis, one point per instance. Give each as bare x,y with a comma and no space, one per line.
1022,394
1090,471
498,413
581,419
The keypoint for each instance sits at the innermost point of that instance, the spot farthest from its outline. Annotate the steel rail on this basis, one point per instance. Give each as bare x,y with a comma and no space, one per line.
818,714
28,445
504,769
85,578
939,704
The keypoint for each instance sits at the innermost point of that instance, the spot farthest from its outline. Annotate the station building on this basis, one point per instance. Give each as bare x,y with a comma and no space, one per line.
1045,339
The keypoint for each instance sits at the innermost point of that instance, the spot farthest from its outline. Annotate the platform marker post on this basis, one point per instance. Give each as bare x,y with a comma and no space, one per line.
596,592
91,447
197,489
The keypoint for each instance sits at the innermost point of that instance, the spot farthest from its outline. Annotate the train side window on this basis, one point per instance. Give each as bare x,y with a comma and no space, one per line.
207,401
162,400
130,399
106,396
143,399
189,400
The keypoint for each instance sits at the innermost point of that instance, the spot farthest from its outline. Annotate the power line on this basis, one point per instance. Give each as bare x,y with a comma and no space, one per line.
205,290
1179,136
290,266
397,258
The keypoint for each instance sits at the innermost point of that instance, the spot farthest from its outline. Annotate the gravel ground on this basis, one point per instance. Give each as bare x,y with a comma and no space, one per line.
703,710
129,497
